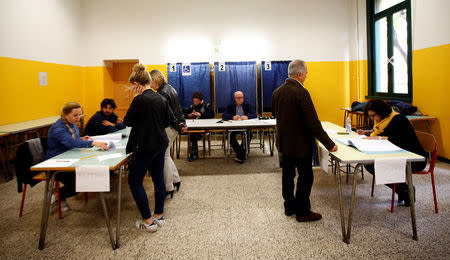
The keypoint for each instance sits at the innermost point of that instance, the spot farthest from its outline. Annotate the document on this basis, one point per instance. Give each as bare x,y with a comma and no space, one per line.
109,156
370,145
108,137
324,159
92,179
390,170
53,163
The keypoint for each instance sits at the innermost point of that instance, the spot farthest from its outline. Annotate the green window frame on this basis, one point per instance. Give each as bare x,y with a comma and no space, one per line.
372,18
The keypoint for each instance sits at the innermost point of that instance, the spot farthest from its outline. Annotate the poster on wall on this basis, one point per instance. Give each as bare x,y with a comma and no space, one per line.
173,67
42,78
268,65
186,69
221,66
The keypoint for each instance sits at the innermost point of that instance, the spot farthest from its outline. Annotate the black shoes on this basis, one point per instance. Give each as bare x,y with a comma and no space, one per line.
177,185
193,157
289,212
312,216
171,193
404,196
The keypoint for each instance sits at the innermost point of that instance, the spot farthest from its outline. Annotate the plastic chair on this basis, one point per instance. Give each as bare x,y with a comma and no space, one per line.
429,144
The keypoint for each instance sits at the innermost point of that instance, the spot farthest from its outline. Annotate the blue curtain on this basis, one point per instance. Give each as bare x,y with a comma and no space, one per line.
271,80
237,76
198,81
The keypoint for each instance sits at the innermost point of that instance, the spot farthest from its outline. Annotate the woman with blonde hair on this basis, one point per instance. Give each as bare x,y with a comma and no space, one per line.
63,136
147,116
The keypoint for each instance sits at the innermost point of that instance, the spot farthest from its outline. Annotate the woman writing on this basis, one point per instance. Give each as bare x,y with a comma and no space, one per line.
63,136
388,125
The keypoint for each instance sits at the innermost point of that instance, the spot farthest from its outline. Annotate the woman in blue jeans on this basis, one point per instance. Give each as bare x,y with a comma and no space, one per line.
147,116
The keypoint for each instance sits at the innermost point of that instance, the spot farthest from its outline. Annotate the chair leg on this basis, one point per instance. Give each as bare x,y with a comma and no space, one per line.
204,147
434,193
59,199
373,184
85,197
209,144
24,192
393,198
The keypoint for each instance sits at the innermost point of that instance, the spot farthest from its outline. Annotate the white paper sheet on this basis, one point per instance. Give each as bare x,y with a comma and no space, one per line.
324,159
370,145
331,131
390,170
57,163
109,156
92,179
108,137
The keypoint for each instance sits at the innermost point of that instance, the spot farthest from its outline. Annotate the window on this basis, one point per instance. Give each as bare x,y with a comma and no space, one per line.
389,49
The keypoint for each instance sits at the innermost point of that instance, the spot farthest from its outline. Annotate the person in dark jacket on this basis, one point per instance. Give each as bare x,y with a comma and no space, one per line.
388,125
63,136
239,110
298,126
147,116
104,121
177,124
198,110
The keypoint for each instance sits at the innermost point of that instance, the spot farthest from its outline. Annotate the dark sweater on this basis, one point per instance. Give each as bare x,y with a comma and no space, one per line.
230,111
297,121
148,116
95,125
204,109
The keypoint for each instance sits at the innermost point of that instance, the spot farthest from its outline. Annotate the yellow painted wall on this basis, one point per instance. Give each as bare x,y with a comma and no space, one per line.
431,91
162,68
22,98
94,89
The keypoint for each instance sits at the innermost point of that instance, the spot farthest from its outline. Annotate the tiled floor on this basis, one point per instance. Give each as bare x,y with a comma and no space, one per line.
232,211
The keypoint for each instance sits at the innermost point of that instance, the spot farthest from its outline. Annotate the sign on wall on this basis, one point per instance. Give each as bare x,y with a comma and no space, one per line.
221,66
173,67
186,69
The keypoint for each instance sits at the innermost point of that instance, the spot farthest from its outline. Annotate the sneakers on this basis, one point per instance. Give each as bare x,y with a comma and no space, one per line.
54,205
153,227
312,216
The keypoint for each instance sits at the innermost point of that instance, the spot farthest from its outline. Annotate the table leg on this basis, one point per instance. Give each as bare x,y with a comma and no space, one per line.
48,191
411,199
9,174
119,199
108,224
178,146
341,203
352,203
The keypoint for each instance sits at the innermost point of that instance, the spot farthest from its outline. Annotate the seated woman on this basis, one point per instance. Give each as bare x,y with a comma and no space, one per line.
388,125
63,136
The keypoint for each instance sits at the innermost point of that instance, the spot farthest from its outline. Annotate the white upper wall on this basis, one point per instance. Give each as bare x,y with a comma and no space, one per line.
163,31
430,23
86,32
42,30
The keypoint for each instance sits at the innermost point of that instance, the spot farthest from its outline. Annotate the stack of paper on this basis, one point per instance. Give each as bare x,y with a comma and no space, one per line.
111,139
56,163
370,145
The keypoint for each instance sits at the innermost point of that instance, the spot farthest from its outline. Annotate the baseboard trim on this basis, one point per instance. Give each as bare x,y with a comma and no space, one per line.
442,159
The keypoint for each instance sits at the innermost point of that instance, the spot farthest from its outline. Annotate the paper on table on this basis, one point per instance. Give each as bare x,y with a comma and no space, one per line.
56,163
324,158
109,156
331,131
108,137
92,179
370,145
390,170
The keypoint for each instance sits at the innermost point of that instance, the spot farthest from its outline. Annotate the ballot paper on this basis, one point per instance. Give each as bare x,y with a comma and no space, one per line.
370,145
390,170
109,156
108,137
324,159
92,179
331,131
53,163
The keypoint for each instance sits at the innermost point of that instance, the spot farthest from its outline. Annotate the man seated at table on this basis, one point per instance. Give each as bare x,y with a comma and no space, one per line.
104,121
239,110
198,110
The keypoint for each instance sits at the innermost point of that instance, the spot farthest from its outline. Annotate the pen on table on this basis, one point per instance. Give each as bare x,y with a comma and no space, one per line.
88,156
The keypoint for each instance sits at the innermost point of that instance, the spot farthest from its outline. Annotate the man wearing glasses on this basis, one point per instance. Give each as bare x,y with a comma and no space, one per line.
239,110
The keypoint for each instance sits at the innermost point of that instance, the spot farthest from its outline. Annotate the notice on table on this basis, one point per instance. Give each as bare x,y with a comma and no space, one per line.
92,179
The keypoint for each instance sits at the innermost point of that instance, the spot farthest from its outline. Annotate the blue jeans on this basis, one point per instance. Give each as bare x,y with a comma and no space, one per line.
139,164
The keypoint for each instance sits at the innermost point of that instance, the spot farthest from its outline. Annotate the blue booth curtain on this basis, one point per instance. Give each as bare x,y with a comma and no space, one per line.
237,76
271,80
198,81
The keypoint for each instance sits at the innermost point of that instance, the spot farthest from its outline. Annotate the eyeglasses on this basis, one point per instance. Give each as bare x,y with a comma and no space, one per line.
239,97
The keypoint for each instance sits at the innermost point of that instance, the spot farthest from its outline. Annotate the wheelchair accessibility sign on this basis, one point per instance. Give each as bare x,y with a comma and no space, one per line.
186,69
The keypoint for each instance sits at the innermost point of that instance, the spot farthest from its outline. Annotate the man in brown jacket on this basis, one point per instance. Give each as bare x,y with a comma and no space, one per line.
298,126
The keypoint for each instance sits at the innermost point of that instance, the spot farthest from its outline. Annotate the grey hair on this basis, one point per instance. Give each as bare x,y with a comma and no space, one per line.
296,66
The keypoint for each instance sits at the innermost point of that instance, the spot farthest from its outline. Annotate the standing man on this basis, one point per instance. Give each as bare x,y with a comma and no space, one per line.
104,121
298,126
159,84
239,110
198,110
